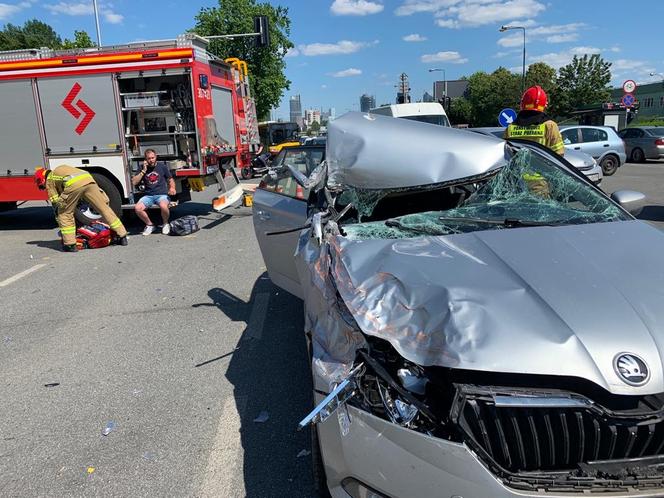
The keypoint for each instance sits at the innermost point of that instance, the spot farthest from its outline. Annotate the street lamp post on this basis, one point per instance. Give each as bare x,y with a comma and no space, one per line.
444,80
94,6
658,74
523,71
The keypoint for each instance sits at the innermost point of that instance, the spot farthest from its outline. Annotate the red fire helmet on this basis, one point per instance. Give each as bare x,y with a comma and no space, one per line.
534,99
40,177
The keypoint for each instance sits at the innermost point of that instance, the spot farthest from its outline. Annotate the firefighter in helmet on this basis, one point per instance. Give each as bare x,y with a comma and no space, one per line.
66,186
533,124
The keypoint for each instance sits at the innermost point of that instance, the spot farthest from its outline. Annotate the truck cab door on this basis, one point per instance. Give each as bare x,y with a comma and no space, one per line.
278,206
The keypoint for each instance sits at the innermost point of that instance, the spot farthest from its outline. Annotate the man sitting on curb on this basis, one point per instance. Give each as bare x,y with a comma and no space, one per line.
158,183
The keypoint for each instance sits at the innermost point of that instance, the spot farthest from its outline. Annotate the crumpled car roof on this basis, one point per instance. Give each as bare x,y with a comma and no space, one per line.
368,151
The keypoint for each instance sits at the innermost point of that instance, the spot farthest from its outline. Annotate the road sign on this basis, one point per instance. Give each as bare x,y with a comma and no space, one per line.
629,86
628,100
506,117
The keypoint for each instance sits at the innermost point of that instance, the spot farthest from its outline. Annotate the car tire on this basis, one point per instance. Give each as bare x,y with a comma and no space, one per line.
246,173
638,156
84,213
609,164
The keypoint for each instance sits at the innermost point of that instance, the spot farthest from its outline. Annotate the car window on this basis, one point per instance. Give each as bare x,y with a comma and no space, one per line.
570,136
304,161
593,135
656,132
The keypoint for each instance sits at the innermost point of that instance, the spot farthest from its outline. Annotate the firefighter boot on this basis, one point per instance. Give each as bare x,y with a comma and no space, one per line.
121,241
69,248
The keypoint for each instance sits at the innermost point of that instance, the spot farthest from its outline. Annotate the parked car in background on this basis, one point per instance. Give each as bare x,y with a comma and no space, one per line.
643,142
585,163
601,142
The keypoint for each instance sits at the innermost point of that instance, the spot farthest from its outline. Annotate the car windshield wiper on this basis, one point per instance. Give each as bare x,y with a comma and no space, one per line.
392,223
506,222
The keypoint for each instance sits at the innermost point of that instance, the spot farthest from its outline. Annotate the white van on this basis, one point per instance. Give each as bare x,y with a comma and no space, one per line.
426,112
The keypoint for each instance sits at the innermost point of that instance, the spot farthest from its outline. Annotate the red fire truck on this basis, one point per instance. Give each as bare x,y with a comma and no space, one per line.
101,109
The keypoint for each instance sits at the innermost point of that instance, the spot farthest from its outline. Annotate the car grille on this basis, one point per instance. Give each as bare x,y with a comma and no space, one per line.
522,439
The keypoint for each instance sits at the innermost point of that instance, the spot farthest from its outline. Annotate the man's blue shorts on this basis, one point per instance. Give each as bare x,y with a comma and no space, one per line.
150,200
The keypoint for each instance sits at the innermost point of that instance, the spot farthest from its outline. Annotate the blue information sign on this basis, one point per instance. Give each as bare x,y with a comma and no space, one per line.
506,117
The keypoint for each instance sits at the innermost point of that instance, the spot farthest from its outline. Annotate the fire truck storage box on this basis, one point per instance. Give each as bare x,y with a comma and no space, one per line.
136,100
162,148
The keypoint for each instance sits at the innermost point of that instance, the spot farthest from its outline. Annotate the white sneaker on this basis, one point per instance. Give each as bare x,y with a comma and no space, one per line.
166,229
148,229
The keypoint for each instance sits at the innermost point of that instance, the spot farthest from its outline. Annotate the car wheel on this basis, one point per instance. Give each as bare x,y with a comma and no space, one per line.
638,156
609,165
246,173
86,214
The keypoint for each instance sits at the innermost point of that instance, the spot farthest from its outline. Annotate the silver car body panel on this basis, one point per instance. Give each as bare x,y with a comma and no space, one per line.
359,145
376,452
599,149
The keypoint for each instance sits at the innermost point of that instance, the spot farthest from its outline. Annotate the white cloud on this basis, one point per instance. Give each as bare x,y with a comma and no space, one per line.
355,7
85,9
410,7
553,33
292,52
414,38
559,59
351,71
7,10
449,57
471,13
324,87
341,47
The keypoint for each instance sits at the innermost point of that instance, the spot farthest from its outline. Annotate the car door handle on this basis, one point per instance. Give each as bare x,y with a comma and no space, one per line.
263,215
605,145
577,148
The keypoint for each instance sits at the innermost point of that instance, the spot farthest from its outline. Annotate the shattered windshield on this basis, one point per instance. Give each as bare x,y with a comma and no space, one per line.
530,190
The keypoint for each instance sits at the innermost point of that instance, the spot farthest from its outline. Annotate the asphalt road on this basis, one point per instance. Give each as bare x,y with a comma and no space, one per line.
182,343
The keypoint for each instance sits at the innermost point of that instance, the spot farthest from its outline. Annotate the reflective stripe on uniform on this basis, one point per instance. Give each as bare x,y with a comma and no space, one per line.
68,230
558,146
531,177
54,199
535,133
74,179
116,224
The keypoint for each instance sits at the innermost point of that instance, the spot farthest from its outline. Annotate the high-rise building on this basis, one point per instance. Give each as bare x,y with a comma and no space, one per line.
295,109
367,102
311,116
427,97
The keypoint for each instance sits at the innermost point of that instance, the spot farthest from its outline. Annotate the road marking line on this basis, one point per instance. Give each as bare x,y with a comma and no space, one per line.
257,317
224,472
13,279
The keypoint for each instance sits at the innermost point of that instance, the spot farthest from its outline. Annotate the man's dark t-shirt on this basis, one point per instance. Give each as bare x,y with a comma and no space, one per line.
155,178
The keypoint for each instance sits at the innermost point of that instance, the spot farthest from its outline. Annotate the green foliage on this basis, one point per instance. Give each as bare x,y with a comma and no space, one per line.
489,93
460,111
266,64
315,126
81,40
543,75
582,82
36,34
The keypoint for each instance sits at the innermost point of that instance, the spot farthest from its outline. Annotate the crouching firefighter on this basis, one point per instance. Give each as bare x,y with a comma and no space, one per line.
66,186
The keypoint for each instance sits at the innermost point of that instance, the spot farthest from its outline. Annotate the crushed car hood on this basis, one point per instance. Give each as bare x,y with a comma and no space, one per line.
372,152
544,300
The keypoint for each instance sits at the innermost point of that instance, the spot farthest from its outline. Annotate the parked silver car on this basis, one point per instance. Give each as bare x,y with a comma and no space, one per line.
601,142
644,142
476,328
580,160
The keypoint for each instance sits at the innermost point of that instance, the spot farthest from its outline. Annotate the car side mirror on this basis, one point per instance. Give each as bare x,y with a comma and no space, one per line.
629,200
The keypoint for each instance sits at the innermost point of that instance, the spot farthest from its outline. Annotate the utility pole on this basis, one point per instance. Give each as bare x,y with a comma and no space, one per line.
403,95
94,5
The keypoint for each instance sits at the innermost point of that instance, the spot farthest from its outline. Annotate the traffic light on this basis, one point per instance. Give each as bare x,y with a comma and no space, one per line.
262,28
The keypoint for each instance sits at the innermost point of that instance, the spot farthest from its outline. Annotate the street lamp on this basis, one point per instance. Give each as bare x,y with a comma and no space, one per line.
523,72
94,6
444,80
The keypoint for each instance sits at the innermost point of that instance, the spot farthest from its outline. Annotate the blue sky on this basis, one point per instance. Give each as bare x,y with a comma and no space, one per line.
345,48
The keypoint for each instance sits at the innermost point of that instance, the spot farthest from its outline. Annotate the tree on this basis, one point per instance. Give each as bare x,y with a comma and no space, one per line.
460,111
582,82
543,75
315,127
265,64
81,40
36,34
489,93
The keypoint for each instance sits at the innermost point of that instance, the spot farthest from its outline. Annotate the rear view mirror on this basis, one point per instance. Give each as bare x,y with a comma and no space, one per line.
629,200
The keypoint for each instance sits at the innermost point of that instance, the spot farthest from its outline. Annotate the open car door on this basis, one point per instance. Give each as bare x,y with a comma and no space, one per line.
280,205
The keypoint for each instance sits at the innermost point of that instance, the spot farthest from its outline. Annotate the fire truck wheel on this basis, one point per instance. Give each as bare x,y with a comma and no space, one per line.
247,173
85,214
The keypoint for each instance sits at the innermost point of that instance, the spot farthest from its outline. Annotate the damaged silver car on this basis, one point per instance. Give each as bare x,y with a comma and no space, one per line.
483,320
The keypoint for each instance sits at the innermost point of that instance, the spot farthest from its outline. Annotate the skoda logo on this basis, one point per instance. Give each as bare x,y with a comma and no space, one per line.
631,369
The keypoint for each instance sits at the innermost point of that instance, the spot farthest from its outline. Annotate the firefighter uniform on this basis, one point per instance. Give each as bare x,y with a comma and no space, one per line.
66,186
546,133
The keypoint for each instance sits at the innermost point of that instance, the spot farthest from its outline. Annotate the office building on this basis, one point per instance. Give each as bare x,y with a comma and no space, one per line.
295,109
367,102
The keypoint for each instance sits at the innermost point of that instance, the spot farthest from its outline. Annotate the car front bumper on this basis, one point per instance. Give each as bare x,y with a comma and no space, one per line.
398,463
594,174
